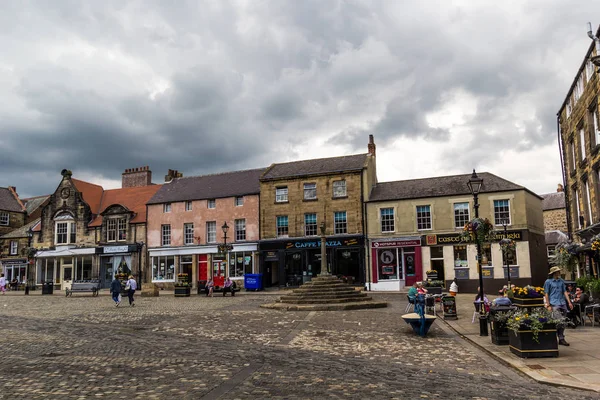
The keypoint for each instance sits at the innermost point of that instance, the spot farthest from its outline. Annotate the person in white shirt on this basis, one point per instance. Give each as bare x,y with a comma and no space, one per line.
2,283
130,287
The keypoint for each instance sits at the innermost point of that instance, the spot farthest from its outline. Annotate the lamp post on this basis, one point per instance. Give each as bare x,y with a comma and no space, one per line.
29,239
140,246
474,185
224,248
324,271
504,252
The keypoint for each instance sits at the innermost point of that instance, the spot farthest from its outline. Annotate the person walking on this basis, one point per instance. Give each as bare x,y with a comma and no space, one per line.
115,290
557,300
2,283
131,286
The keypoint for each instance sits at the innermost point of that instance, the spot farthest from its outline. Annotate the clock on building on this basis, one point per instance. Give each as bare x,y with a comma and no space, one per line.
65,193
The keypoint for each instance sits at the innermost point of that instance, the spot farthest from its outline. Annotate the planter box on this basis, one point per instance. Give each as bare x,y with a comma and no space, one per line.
523,345
528,303
182,291
432,277
499,333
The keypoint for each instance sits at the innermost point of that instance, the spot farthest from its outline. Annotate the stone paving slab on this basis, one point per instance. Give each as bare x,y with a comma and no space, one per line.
230,348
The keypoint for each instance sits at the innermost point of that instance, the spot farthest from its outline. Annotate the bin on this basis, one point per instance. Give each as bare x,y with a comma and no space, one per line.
253,282
499,329
202,286
48,288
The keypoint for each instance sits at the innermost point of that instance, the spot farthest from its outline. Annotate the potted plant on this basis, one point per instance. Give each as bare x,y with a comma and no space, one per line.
533,334
528,297
432,274
477,230
565,254
499,331
434,287
182,285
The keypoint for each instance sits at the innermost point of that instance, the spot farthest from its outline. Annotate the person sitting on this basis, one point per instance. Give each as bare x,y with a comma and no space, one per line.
486,301
580,300
210,287
412,292
229,286
420,288
14,284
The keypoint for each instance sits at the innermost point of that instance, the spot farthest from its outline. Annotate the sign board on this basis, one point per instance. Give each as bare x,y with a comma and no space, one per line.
514,272
461,273
396,243
456,238
487,272
271,256
449,303
116,249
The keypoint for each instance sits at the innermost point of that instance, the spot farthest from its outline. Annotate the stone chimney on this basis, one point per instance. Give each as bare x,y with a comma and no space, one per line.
560,188
371,147
172,174
136,177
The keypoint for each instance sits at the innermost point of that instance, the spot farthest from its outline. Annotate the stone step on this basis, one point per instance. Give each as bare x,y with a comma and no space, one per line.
326,307
328,286
326,301
325,290
325,282
325,296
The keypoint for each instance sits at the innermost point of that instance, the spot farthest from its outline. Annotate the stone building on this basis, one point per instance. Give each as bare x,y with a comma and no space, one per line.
13,216
185,220
415,226
555,219
296,198
579,143
86,232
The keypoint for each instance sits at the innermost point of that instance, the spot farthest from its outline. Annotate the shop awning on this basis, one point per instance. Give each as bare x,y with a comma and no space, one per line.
65,252
186,251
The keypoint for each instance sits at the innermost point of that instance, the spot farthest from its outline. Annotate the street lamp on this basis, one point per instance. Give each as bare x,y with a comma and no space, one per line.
140,246
324,271
224,248
474,185
29,239
505,251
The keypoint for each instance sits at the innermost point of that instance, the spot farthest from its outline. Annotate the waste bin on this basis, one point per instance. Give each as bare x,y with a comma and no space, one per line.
201,286
499,328
253,282
48,288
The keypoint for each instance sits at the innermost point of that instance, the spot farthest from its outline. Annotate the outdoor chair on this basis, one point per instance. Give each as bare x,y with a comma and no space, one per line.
411,304
592,312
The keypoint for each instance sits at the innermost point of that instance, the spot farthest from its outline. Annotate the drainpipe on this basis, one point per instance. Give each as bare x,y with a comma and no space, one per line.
563,157
365,226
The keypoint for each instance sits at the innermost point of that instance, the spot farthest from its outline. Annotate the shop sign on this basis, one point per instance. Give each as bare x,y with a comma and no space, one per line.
396,243
271,256
487,272
449,303
461,273
456,238
116,249
14,261
514,272
312,245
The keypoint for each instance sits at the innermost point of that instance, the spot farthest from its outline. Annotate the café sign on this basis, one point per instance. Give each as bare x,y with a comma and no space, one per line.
456,238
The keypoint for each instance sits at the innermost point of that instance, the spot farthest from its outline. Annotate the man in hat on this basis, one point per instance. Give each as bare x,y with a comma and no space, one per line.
557,299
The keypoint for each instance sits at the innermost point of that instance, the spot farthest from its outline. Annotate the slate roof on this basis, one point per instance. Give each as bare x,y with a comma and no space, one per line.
319,166
454,185
554,237
553,201
32,203
92,194
214,186
9,202
133,198
22,231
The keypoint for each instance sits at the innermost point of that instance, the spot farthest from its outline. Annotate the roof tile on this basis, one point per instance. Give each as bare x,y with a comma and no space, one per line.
553,201
317,166
9,201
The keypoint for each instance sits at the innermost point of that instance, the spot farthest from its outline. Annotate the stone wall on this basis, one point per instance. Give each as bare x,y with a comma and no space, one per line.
555,220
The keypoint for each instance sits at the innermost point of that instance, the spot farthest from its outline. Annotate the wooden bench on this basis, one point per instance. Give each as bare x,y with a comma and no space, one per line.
92,285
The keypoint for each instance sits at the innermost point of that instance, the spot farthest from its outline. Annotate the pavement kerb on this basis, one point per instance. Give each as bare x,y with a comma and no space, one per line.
527,371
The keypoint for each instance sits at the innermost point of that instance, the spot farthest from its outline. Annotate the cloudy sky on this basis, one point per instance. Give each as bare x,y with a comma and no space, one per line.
202,87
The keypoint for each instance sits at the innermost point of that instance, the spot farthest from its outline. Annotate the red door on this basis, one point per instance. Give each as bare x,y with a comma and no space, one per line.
203,267
219,272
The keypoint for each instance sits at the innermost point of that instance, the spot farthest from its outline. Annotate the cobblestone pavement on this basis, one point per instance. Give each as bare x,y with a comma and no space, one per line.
209,348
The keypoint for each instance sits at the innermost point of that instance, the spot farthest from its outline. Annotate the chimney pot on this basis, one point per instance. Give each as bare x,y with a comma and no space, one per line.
560,188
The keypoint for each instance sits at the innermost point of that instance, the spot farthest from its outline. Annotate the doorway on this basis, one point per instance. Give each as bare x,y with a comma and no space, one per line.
67,275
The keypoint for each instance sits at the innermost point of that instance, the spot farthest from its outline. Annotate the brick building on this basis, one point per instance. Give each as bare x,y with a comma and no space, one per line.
296,198
555,219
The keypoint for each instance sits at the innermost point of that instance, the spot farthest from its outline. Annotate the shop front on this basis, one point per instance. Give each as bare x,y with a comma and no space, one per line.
292,262
395,263
123,259
15,270
64,265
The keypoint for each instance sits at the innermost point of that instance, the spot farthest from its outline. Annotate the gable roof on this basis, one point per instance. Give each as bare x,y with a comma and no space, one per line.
9,201
555,237
22,231
439,187
33,203
553,201
318,166
92,194
133,198
226,184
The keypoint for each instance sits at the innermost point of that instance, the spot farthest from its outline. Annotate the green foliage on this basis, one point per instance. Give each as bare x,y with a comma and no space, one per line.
434,284
535,322
565,256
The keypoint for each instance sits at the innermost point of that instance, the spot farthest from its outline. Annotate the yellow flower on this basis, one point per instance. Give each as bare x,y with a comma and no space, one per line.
517,318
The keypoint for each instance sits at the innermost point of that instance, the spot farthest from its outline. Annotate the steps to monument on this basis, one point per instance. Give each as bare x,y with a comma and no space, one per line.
327,301
324,296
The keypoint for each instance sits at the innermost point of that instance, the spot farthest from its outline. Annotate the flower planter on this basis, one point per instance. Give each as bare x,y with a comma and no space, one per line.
528,303
181,291
499,333
523,344
432,276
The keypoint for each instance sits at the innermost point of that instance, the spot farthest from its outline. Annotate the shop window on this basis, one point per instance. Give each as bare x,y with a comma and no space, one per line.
163,268
423,218
4,218
461,214
510,256
460,256
211,232
282,226
240,263
339,189
240,229
387,220
212,203
14,246
310,224
486,255
188,206
340,222
501,212
281,194
186,267
166,235
188,233
387,264
46,270
310,191
83,268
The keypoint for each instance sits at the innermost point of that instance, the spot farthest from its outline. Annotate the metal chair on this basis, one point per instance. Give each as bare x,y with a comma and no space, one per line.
411,304
592,311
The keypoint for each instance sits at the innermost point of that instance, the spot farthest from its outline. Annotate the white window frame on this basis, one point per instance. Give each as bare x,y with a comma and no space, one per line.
568,108
188,233
573,155
589,70
239,201
459,221
281,194
314,227
211,231
310,191
111,229
582,142
240,229
339,186
188,205
14,247
340,225
167,208
283,230
165,235
424,218
497,213
577,209
579,88
387,221
596,128
211,203
550,250
70,229
588,203
4,218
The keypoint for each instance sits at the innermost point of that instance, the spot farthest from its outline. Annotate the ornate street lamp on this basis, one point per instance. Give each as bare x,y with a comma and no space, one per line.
474,185
29,263
324,270
224,248
505,251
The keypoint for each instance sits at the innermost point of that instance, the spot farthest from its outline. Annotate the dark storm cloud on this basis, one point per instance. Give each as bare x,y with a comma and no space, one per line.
211,86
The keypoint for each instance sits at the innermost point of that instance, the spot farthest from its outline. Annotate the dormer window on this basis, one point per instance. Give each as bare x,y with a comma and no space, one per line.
116,229
65,229
4,218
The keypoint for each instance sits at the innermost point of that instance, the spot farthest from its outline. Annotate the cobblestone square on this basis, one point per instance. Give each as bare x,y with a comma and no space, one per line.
199,347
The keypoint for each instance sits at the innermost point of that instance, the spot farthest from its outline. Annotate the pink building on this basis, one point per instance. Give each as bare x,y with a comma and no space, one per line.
185,227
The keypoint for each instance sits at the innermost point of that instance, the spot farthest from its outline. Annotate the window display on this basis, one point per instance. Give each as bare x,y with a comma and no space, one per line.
163,268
